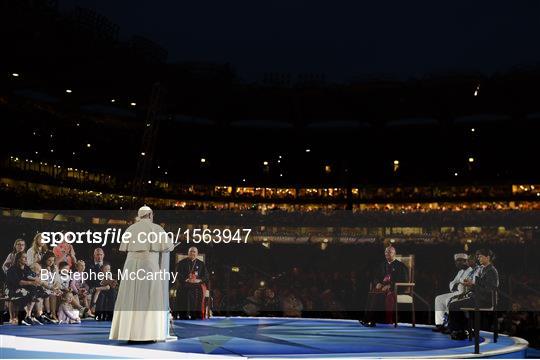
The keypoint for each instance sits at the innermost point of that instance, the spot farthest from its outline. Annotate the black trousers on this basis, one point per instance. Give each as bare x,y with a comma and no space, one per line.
189,301
456,317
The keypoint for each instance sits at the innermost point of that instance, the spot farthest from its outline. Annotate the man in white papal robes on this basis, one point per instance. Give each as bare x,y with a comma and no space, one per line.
141,309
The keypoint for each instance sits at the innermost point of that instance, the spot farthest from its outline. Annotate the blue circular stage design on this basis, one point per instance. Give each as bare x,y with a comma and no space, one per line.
287,337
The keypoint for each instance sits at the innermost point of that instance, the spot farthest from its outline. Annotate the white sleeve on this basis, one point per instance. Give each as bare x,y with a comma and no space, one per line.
456,280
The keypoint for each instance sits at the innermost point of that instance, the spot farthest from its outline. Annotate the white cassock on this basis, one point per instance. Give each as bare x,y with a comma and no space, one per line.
141,308
441,301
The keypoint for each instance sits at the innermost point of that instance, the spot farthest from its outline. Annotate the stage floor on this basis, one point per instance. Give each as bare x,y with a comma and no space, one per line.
251,337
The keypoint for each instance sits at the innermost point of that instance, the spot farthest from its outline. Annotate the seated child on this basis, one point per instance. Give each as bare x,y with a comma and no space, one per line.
66,312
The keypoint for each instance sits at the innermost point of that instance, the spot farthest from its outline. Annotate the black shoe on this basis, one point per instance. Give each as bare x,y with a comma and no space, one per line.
459,335
43,319
36,321
439,328
27,321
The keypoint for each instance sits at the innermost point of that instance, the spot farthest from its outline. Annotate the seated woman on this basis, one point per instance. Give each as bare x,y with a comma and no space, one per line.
37,250
18,246
22,289
480,292
42,292
65,252
49,303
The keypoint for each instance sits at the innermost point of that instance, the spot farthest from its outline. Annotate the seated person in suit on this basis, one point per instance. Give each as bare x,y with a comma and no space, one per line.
479,292
381,299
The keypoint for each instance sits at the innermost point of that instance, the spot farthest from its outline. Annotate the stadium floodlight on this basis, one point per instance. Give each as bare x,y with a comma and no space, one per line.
143,153
396,162
114,100
471,159
133,104
308,150
280,175
15,74
88,145
455,174
203,160
473,130
69,91
265,163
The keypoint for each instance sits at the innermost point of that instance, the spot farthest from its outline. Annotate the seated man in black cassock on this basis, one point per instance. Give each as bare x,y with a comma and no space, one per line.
191,286
381,299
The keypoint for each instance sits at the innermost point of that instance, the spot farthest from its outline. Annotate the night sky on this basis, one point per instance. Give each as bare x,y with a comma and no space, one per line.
341,39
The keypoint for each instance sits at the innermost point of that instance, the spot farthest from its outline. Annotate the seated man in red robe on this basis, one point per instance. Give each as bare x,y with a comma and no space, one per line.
381,299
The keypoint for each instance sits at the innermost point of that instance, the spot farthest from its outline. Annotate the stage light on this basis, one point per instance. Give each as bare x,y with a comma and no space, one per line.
78,124
37,152
88,145
73,152
159,167
52,150
143,153
113,101
15,74
279,161
473,130
265,163
280,175
149,181
471,159
279,157
203,160
166,172
455,174
133,104
308,150
68,91
243,180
